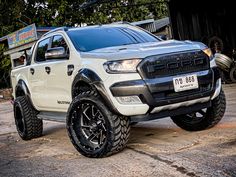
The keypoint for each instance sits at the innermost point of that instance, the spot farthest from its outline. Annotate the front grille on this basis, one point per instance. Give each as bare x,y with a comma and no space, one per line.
173,64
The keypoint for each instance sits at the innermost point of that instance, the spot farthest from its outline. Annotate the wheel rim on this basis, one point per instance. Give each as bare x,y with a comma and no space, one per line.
19,120
89,125
195,117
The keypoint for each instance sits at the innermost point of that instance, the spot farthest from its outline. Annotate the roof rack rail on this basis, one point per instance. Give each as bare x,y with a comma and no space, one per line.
54,30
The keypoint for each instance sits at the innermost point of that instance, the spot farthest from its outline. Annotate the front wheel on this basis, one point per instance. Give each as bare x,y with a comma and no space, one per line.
93,129
203,119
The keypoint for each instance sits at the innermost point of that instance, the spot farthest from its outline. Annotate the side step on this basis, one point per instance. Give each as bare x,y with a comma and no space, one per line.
53,116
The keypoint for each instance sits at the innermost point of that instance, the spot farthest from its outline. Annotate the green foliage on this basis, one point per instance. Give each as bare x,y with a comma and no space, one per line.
127,10
16,14
5,66
5,63
69,13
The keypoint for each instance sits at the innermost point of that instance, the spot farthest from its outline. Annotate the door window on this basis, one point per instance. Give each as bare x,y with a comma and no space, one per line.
41,50
59,41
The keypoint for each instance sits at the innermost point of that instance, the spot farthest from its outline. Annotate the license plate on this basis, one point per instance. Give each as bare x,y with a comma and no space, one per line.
183,83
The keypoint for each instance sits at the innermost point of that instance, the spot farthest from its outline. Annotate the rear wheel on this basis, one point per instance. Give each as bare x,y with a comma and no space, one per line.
27,124
93,129
203,119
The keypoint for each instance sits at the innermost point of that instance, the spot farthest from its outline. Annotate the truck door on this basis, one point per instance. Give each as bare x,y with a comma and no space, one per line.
58,86
37,75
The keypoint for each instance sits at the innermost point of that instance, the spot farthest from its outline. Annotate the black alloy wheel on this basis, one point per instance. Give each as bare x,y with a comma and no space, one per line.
91,124
93,129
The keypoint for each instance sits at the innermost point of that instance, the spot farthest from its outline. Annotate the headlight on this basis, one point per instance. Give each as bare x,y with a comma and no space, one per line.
208,52
122,66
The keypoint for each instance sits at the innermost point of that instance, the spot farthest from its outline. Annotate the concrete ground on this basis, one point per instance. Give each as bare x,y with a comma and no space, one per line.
156,148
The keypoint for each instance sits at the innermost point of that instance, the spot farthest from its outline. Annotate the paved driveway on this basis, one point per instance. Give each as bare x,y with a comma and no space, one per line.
156,148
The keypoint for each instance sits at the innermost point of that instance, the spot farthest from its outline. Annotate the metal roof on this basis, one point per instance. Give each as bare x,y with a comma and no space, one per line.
143,22
45,29
151,25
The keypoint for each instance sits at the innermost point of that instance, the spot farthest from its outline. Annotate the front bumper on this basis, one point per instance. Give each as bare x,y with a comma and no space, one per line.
161,98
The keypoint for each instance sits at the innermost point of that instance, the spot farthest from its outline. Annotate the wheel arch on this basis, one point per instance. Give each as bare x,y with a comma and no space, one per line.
21,89
88,80
83,81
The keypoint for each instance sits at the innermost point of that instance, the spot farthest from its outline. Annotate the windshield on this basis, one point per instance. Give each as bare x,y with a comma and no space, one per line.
89,39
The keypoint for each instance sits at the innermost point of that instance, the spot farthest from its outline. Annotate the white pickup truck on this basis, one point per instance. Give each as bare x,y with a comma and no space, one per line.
101,79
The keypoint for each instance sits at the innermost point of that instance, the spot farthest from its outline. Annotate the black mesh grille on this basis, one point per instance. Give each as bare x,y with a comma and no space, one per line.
174,64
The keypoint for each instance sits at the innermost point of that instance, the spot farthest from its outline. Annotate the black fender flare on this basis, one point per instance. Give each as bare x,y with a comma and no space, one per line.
21,89
87,76
92,79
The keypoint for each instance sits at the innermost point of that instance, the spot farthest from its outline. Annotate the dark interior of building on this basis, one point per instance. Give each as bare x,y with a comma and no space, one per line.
211,23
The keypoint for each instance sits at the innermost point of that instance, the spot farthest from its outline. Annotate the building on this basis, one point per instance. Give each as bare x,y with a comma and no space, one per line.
159,27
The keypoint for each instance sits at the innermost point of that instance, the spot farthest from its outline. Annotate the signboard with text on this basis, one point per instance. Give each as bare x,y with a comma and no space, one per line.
22,36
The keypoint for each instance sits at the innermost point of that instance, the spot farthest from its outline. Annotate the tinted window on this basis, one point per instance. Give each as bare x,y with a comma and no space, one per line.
88,39
42,48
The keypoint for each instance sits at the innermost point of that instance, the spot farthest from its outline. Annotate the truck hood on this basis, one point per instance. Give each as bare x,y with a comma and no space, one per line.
142,50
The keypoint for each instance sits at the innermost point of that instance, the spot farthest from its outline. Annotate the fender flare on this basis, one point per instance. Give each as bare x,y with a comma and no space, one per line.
91,78
21,87
87,76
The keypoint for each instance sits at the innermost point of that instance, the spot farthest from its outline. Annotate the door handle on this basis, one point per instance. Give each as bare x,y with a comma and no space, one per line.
32,71
47,69
70,69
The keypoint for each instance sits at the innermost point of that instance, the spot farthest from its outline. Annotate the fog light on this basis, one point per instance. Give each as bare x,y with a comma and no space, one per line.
129,100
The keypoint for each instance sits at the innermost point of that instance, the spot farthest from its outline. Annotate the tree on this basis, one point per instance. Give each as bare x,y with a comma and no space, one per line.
9,10
126,10
5,66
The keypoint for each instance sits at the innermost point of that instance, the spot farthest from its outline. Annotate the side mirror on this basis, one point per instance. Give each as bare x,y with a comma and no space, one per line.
56,53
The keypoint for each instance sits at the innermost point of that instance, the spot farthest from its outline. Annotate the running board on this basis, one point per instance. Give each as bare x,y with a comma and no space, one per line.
53,116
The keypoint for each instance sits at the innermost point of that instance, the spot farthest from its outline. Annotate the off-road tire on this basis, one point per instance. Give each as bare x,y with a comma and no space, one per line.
115,129
27,124
212,116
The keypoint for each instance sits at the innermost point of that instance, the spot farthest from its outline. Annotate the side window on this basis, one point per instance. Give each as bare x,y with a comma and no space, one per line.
59,41
19,61
41,50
